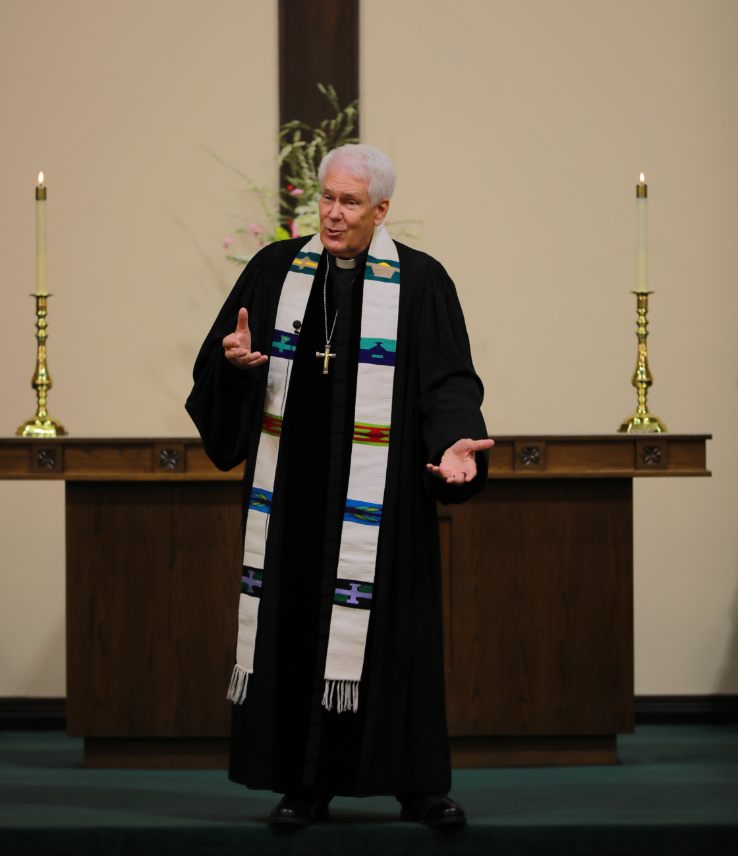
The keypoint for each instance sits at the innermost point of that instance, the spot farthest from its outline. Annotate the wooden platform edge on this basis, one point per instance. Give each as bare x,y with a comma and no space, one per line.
171,753
466,752
576,751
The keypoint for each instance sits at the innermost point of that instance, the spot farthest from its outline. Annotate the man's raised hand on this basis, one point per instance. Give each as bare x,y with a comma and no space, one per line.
237,346
457,464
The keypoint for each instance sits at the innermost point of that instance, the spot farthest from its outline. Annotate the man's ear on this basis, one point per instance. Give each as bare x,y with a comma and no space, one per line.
381,211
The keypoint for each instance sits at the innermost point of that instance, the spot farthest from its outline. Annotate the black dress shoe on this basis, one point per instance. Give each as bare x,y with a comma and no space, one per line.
432,810
300,810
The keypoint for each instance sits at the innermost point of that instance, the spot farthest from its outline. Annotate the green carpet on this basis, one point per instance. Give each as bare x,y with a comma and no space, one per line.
674,792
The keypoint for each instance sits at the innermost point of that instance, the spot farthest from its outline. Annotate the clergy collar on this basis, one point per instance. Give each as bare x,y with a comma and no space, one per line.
349,264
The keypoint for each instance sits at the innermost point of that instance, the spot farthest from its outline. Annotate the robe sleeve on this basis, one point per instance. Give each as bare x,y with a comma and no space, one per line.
451,393
224,399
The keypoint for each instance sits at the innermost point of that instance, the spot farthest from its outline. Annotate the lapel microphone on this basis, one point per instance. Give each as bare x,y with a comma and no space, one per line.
297,325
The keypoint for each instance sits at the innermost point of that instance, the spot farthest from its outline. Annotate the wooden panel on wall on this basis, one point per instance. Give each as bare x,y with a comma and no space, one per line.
573,456
184,459
152,592
128,458
199,463
686,453
14,459
501,457
542,607
318,43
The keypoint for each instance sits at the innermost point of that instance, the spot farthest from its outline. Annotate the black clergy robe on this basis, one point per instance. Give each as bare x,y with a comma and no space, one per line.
283,739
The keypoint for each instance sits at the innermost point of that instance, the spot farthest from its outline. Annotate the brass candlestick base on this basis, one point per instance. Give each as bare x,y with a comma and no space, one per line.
41,425
642,420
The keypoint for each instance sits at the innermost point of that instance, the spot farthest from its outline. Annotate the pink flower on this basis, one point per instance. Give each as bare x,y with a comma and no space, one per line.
227,242
297,192
255,229
293,231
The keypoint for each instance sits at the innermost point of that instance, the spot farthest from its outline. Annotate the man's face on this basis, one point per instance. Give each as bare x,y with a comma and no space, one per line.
347,217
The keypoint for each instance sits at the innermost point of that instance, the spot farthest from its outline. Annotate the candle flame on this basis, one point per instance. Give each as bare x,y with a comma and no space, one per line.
40,178
643,178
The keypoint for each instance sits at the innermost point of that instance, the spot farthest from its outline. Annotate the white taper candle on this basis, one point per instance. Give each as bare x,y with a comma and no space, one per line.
41,236
641,203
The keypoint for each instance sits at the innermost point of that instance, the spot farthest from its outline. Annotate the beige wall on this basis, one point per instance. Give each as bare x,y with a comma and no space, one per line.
533,118
518,130
114,102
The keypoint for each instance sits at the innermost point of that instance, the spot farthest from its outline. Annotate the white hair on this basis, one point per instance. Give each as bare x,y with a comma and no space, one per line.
365,163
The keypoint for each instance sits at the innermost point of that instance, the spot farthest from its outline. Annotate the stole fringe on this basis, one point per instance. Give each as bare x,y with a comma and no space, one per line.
239,685
347,695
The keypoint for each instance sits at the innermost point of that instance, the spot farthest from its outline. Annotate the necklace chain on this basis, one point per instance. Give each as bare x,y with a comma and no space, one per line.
325,304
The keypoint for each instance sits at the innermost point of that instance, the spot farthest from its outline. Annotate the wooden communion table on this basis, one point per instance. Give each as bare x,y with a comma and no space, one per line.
537,589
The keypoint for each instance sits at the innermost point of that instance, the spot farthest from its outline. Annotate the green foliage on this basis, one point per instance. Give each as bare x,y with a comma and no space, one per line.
302,148
293,211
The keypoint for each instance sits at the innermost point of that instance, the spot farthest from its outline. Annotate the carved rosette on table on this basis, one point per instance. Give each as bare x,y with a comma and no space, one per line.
651,455
47,459
530,456
169,459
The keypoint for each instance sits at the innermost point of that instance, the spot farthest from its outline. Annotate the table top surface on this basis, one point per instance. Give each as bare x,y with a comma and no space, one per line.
513,456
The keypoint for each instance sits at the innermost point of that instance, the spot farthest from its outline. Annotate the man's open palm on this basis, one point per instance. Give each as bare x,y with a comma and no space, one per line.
458,464
237,346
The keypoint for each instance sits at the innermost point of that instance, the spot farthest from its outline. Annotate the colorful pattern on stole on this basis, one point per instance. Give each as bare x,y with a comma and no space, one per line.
367,477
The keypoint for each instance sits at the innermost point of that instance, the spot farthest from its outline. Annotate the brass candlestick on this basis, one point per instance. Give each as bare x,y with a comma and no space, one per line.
41,425
642,420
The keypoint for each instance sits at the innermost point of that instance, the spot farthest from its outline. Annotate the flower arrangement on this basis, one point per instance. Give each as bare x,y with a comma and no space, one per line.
292,212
